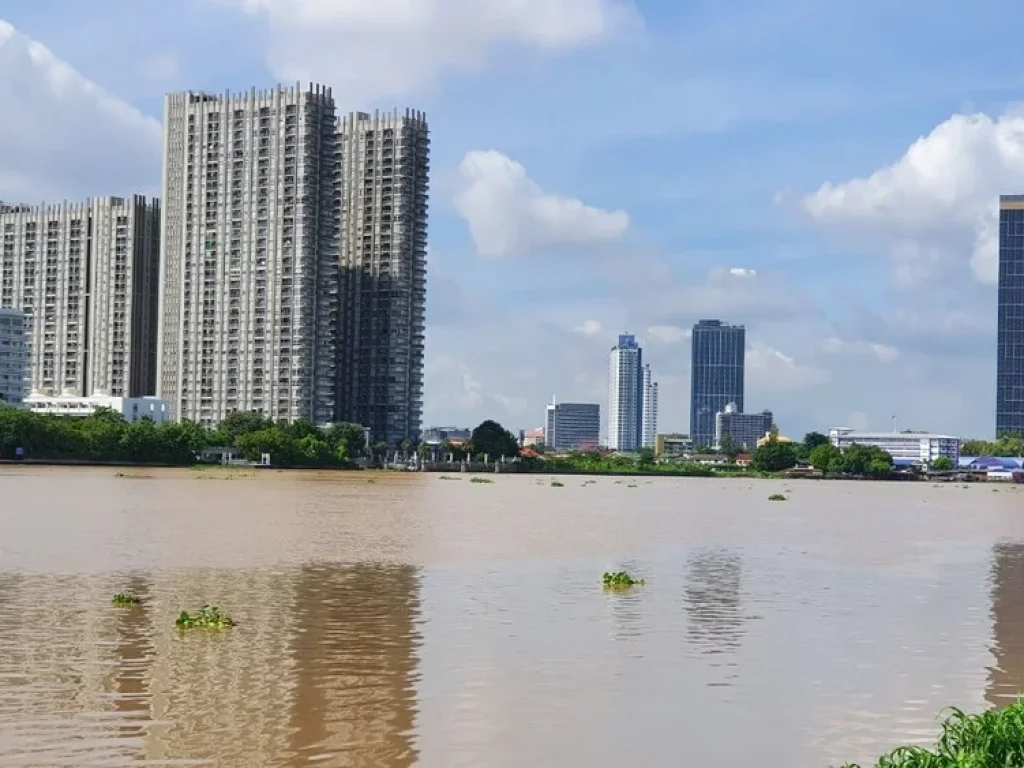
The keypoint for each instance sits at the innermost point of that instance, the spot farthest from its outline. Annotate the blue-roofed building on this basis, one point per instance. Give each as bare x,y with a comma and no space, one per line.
991,463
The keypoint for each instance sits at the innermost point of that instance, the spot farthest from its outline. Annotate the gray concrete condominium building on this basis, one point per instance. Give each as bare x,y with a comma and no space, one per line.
249,270
13,357
85,275
716,375
572,426
1010,321
384,162
742,430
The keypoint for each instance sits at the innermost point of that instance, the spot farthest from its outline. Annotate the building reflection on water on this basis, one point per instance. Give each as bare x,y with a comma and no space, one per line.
713,600
322,669
1006,676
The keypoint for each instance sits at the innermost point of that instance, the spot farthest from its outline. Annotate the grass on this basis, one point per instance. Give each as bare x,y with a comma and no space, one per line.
207,617
993,739
777,497
123,598
620,580
557,484
481,480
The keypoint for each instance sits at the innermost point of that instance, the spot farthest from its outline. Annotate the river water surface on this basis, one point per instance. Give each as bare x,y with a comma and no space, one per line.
400,620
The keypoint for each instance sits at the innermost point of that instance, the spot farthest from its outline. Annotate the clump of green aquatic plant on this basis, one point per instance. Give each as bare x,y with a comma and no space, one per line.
448,477
776,497
480,480
992,739
207,617
557,484
631,485
124,598
620,580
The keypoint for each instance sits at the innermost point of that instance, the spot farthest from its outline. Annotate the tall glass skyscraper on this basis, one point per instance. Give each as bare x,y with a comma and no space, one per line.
1010,356
716,375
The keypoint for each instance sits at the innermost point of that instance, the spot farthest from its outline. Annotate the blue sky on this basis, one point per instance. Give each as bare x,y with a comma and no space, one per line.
606,165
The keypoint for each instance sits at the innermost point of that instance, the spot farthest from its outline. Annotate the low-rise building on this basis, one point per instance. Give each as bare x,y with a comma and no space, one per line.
155,409
919,448
13,357
533,437
742,430
572,426
438,435
672,445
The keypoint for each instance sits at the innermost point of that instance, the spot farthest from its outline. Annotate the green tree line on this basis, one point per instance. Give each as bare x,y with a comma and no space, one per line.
857,460
106,436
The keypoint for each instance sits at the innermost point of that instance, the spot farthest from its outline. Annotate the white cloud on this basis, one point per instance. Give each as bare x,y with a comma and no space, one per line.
64,137
669,334
938,203
768,369
882,352
375,48
508,213
589,328
742,272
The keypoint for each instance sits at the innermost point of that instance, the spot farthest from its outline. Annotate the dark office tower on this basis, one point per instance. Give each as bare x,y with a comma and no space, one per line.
1010,359
716,375
384,162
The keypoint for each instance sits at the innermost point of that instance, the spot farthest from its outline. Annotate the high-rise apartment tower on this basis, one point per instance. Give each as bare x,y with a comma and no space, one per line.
249,269
649,409
85,276
1010,323
384,162
13,357
716,375
625,395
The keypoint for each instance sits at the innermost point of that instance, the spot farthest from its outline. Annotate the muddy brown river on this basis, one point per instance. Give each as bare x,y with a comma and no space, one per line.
400,620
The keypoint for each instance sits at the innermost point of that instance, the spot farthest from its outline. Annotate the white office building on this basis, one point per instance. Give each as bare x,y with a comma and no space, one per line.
918,448
13,357
649,410
85,276
155,409
384,167
625,396
249,267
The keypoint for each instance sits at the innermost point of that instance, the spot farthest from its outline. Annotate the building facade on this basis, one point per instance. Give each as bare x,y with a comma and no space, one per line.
625,395
672,445
249,267
572,426
155,409
1010,327
649,409
918,448
741,430
13,357
437,435
716,375
384,164
85,275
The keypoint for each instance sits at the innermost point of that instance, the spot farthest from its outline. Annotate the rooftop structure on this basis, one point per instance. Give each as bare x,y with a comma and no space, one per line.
919,448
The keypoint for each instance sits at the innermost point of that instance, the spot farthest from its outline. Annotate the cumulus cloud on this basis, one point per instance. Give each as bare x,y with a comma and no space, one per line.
589,328
508,213
937,205
64,137
375,48
768,369
669,334
882,352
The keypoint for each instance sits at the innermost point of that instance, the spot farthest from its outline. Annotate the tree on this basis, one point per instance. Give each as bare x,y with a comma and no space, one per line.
492,439
406,448
866,461
645,458
825,457
352,436
240,423
774,456
942,464
813,439
727,446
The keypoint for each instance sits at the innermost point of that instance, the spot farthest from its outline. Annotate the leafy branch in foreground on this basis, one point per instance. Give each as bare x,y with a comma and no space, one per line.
208,617
993,739
620,580
123,598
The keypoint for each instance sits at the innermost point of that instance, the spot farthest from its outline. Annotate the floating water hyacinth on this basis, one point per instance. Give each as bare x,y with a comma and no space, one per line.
208,617
620,580
123,598
556,484
776,497
993,738
480,480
